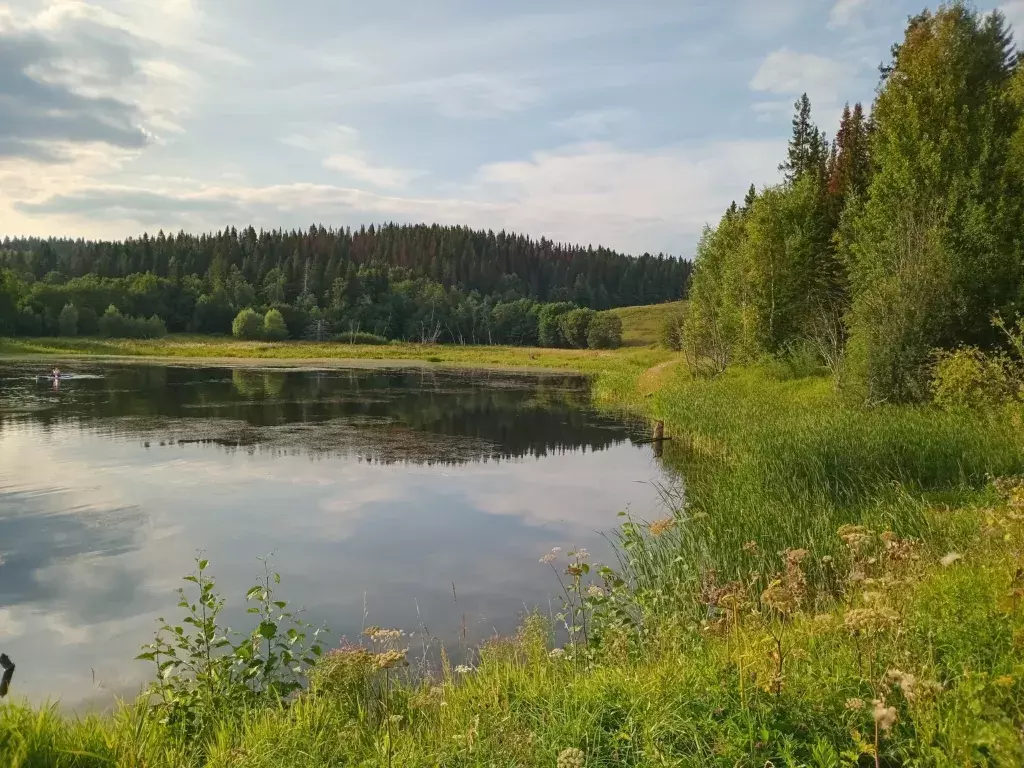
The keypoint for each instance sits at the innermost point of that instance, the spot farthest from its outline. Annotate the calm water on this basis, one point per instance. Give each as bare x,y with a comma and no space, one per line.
376,489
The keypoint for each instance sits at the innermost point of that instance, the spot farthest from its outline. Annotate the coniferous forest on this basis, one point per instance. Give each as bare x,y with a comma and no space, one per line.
417,283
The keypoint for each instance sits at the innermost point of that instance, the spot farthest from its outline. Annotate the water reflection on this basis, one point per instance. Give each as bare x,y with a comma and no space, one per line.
377,490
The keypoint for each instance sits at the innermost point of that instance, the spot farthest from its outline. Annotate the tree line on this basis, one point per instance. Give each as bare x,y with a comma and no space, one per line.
417,283
899,237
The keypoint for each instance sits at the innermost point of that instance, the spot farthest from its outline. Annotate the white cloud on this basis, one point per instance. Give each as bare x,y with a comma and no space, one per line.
378,175
844,11
786,72
594,123
595,192
1014,12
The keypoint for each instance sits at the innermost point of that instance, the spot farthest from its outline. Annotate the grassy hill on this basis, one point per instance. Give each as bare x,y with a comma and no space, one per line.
642,325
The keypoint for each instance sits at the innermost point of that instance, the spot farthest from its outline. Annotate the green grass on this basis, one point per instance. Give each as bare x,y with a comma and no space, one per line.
642,325
720,645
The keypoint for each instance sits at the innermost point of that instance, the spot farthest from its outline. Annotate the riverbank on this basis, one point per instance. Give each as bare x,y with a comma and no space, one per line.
843,583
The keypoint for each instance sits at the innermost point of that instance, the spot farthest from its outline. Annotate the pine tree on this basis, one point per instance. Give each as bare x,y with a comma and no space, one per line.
806,147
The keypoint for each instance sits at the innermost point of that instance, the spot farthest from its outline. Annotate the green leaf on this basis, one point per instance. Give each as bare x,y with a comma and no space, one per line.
267,629
203,564
150,656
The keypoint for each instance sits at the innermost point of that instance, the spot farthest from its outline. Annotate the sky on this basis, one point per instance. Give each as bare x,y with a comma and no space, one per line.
626,124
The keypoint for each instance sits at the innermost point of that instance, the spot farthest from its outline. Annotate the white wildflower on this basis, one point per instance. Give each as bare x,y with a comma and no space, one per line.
462,669
557,653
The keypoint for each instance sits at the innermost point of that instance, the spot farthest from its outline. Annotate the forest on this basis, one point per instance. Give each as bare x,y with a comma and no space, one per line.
415,283
896,243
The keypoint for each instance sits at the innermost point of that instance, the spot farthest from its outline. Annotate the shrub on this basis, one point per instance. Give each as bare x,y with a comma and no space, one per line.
605,331
152,328
359,337
970,378
274,327
88,322
247,325
574,326
68,320
549,331
672,332
112,323
28,322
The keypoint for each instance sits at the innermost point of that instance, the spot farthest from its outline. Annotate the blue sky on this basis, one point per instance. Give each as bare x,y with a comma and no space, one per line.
630,124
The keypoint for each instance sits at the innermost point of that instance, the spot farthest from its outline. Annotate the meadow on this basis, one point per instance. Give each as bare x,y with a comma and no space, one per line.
838,586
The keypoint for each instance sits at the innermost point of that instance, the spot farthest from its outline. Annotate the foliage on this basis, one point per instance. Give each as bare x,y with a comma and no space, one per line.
114,325
672,332
68,320
549,324
574,325
274,328
970,378
247,325
605,331
201,666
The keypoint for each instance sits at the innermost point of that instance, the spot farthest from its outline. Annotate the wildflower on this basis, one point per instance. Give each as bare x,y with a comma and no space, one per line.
575,570
872,597
463,669
551,556
794,556
948,560
580,554
556,653
658,527
905,681
885,717
854,704
826,560
391,659
571,758
876,619
377,633
750,547
595,591
1003,681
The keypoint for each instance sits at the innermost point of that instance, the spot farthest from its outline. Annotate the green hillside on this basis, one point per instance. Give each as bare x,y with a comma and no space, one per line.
642,325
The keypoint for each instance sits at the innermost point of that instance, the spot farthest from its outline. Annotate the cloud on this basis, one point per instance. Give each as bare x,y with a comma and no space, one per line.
594,123
594,192
843,12
339,144
377,175
45,87
786,72
1014,12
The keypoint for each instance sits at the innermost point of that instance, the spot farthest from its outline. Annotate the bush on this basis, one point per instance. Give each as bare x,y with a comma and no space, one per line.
114,325
549,331
153,328
672,332
574,326
970,378
360,337
605,331
274,328
68,320
28,323
88,322
247,325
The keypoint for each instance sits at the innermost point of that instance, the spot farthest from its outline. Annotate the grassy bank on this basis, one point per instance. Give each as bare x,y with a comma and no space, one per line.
842,587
